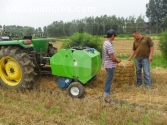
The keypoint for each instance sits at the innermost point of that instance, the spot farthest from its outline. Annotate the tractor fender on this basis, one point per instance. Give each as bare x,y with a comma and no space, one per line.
16,42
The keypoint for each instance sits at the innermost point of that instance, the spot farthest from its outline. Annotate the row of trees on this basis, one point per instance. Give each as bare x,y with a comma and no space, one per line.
26,30
156,13
92,25
96,25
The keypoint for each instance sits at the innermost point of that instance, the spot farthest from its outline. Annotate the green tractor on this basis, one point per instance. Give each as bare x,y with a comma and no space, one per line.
21,60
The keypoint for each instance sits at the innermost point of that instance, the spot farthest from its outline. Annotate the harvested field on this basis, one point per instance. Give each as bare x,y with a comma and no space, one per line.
122,46
125,46
48,104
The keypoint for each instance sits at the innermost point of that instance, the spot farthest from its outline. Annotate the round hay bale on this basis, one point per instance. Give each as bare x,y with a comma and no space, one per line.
124,73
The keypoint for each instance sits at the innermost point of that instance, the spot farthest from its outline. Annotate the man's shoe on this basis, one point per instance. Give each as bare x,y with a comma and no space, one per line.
138,85
148,87
111,102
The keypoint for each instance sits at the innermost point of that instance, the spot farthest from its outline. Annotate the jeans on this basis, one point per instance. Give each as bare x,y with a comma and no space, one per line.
108,83
145,64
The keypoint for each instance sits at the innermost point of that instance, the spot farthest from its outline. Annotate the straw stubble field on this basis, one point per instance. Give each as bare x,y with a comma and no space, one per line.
48,104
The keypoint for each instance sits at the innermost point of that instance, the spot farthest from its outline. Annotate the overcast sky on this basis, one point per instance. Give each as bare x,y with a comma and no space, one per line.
40,13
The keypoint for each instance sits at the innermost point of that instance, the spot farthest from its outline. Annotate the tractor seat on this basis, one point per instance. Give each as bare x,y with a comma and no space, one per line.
27,37
4,38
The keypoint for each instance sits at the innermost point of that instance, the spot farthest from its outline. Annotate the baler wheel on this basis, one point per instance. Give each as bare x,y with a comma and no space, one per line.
76,90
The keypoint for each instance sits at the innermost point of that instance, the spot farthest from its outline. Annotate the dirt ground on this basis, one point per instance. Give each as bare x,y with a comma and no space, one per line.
48,104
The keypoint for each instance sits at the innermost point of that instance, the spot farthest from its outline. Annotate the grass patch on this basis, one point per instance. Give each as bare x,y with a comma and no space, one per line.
10,102
123,56
101,120
145,119
63,40
159,61
54,110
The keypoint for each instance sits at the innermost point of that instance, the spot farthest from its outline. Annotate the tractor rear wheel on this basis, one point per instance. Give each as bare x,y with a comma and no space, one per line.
16,69
76,90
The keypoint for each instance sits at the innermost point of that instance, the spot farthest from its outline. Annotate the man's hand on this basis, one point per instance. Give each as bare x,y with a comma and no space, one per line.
150,58
119,61
114,59
151,53
129,59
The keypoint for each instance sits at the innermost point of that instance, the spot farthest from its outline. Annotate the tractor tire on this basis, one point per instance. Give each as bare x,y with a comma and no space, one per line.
51,50
16,69
76,90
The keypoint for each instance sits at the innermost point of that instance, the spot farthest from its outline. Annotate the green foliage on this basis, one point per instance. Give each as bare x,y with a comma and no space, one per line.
29,31
104,36
99,25
165,22
96,25
18,38
163,44
81,40
159,61
25,30
122,35
55,29
63,40
156,12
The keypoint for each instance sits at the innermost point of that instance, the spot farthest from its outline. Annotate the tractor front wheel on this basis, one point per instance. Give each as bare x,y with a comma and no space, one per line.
76,90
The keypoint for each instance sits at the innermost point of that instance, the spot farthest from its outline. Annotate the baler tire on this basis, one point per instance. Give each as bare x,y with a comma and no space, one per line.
16,69
76,90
